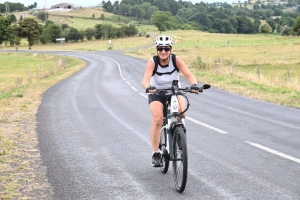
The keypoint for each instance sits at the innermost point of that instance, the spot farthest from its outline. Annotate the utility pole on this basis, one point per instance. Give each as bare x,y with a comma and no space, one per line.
7,8
45,12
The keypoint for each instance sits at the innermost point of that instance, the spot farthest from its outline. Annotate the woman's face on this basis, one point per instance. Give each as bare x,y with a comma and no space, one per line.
163,51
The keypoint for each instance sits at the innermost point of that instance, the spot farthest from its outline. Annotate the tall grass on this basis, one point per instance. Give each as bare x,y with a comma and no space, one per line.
21,174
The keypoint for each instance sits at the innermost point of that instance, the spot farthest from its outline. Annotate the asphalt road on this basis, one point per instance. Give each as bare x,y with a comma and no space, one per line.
93,132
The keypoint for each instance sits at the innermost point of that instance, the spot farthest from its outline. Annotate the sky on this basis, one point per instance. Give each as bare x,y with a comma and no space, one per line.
49,3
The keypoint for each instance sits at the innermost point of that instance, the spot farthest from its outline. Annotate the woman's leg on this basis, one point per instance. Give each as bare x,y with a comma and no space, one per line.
156,109
181,104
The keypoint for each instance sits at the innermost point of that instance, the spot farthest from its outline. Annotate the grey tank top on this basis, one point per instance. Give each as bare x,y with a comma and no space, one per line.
165,80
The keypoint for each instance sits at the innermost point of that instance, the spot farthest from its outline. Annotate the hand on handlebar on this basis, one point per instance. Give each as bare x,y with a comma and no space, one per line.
151,89
195,88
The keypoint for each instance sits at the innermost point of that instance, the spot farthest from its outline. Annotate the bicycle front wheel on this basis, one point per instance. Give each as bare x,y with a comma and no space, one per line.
180,160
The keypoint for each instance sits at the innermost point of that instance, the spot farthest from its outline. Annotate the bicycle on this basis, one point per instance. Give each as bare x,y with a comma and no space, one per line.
173,144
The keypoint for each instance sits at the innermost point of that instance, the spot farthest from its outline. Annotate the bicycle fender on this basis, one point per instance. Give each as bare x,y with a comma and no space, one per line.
175,124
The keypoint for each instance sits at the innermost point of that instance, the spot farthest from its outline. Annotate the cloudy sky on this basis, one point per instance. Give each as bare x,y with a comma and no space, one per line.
41,3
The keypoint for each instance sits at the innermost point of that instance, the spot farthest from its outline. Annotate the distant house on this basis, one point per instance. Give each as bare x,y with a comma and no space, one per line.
275,17
278,2
64,6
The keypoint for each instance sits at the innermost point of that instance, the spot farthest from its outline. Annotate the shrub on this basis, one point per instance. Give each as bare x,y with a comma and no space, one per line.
199,64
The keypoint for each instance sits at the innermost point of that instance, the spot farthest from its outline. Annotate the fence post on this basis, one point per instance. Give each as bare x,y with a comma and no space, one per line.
289,74
258,72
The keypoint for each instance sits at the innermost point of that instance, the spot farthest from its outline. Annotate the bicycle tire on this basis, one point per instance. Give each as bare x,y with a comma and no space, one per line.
165,156
180,159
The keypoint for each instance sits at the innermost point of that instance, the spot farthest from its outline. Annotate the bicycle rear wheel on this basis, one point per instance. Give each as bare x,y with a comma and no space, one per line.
180,160
165,155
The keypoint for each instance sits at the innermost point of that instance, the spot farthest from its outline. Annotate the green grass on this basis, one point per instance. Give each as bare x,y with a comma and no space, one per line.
27,68
18,106
80,23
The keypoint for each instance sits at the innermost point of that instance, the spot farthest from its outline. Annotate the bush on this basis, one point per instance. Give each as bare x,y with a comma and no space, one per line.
285,30
199,64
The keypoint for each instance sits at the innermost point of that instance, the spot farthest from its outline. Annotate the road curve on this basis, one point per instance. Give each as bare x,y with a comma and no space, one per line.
93,132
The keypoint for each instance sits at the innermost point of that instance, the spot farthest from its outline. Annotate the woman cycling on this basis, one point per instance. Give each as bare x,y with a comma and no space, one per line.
162,77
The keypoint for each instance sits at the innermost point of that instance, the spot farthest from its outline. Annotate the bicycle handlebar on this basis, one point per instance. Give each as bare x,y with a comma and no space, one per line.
187,89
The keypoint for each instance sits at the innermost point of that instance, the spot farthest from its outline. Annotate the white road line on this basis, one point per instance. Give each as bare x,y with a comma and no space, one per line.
297,160
134,88
127,82
144,95
207,126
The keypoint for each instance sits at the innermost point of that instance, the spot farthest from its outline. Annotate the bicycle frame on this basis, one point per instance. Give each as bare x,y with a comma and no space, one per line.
172,122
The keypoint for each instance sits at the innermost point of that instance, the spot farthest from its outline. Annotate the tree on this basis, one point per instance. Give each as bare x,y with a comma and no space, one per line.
218,26
256,25
108,31
32,6
244,25
102,17
286,30
271,22
51,33
162,20
137,11
64,26
12,18
265,28
65,34
131,30
43,16
29,29
296,27
202,18
227,26
82,34
98,31
48,23
278,28
89,33
74,34
5,30
124,9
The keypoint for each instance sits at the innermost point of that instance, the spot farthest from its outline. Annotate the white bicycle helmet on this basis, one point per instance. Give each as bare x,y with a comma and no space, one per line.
164,40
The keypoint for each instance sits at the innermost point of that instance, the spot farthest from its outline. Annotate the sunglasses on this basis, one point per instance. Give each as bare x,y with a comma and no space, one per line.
163,48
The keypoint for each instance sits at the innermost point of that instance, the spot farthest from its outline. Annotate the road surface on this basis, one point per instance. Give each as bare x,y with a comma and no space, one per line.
93,131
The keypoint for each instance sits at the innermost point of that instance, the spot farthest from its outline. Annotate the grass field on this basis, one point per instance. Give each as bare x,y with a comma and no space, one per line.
235,68
84,13
79,23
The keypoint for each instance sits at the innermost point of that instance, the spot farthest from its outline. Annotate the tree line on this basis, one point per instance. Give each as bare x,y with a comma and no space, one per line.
36,33
9,7
214,17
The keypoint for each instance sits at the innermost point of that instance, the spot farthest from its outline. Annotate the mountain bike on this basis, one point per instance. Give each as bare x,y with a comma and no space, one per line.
173,144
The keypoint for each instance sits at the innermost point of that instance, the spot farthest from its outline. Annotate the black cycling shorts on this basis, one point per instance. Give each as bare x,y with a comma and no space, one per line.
159,97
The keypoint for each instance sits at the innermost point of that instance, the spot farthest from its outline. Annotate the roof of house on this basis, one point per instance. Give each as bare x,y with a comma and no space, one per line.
64,4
